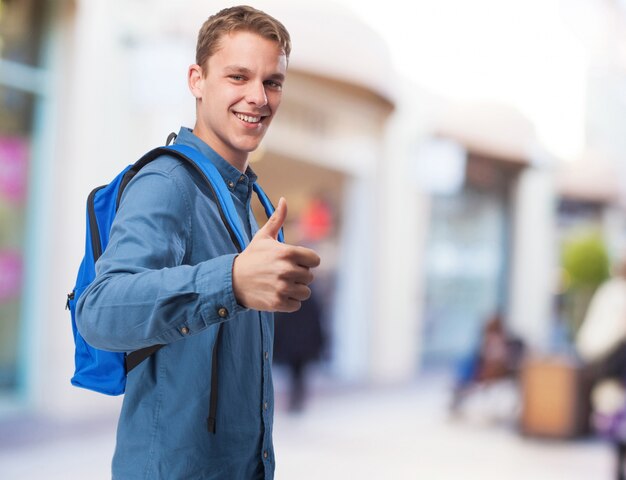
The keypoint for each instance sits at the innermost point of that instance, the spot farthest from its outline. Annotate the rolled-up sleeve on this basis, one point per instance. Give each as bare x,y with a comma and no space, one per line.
144,292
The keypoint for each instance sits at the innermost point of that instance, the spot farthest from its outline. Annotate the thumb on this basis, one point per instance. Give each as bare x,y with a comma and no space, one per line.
276,221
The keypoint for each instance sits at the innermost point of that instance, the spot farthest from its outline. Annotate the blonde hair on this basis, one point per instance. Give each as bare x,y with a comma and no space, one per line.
240,18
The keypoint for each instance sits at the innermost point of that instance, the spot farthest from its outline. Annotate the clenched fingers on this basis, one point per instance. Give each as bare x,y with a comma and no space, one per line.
304,257
298,292
298,274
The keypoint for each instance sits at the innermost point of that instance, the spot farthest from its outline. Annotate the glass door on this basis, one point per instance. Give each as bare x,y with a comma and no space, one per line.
20,40
465,272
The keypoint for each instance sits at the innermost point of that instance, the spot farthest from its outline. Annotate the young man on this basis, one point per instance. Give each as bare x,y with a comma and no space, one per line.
171,275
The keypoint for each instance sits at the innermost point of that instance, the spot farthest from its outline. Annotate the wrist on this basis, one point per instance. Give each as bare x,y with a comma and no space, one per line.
235,284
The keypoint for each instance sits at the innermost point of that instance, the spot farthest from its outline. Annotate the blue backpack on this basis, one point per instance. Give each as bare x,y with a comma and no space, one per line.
104,371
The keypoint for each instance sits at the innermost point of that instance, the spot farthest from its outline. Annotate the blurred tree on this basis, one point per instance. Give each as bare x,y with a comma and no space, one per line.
585,262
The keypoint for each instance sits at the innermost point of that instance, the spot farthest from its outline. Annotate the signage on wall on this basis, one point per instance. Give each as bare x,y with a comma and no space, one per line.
13,169
10,274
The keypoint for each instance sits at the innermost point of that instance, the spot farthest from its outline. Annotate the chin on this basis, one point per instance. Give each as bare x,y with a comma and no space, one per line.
249,147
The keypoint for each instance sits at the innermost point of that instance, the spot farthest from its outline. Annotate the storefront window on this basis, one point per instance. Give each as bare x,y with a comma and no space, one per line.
13,169
465,271
20,30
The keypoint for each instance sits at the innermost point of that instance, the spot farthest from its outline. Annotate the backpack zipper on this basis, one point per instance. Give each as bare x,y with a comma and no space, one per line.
70,296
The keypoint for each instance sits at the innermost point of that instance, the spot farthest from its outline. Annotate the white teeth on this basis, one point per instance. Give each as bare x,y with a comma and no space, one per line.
248,119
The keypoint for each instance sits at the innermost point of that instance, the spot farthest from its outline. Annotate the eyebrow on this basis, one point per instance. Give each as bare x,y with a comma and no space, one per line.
246,71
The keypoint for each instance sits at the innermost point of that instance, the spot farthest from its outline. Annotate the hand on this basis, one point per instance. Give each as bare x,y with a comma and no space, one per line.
271,276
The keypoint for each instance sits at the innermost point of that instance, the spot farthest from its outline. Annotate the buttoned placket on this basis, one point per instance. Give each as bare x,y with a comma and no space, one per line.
243,189
267,409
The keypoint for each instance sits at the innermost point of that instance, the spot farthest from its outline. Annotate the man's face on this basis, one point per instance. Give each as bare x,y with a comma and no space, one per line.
239,96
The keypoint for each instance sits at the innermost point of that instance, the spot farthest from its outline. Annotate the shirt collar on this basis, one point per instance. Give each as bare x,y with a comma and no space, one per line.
229,173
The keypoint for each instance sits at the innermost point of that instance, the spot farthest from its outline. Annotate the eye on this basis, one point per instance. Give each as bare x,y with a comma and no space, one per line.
274,85
237,78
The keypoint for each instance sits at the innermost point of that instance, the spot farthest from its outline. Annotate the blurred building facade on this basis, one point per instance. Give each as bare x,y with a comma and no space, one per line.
481,260
25,100
442,213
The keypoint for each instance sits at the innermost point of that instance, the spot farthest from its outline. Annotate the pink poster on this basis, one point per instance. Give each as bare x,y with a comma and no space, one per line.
13,169
10,274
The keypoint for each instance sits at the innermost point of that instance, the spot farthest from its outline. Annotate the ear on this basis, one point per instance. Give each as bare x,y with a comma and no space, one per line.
195,80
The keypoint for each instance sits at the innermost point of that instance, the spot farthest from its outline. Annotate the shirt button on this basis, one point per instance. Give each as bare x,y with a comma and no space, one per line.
265,406
222,312
231,184
184,330
267,355
242,179
265,454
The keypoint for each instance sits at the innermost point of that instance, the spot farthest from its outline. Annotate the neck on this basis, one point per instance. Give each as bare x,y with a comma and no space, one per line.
240,162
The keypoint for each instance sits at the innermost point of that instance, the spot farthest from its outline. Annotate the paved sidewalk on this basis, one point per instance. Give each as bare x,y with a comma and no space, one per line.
399,433
407,434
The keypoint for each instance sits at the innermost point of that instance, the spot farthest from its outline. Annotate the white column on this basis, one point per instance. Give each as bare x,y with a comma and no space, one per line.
534,261
78,143
356,272
401,229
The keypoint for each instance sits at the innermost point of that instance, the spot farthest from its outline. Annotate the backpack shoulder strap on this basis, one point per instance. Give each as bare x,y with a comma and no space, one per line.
268,207
212,176
265,201
215,181
208,172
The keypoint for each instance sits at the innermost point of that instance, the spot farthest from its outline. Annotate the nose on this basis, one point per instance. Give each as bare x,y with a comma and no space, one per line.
256,94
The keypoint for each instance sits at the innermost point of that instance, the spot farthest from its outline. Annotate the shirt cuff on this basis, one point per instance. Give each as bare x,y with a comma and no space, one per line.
215,286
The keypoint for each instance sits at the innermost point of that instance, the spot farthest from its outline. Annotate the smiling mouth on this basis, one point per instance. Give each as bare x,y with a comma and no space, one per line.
249,118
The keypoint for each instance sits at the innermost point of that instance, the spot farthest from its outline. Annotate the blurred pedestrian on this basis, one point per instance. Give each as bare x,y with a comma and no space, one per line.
497,356
601,343
300,338
298,341
602,335
171,276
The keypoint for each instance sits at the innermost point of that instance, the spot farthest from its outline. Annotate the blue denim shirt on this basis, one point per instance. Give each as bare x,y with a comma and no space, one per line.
163,278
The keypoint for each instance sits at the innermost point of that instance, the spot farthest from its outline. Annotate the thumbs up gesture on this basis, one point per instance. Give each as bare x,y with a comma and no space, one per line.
272,276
